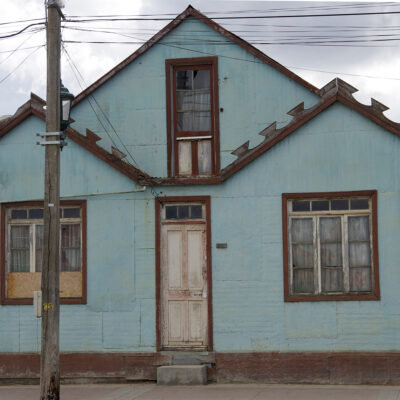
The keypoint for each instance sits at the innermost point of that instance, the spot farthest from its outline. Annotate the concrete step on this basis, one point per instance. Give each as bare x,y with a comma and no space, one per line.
190,358
182,375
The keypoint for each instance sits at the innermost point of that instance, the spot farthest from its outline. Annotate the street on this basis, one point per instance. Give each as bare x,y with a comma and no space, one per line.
150,391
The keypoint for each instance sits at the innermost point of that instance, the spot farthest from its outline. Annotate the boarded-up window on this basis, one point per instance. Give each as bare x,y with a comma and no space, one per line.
23,243
193,110
330,246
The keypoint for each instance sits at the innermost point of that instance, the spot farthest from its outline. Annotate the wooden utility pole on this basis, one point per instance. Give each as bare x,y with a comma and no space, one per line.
50,359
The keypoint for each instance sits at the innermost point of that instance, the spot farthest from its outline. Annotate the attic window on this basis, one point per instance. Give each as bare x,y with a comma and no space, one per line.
330,245
192,113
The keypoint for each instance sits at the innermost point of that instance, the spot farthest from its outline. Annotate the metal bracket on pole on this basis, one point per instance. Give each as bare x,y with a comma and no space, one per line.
61,135
43,135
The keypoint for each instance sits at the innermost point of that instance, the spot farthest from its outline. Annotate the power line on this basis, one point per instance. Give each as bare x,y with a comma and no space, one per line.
242,17
34,51
329,7
343,43
261,62
104,114
22,30
22,48
21,21
75,68
18,48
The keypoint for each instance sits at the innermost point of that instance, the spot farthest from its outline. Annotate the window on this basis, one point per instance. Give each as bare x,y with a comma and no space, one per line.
179,212
330,246
192,114
22,246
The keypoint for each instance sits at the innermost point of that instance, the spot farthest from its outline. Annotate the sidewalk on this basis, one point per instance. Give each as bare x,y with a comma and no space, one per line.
150,391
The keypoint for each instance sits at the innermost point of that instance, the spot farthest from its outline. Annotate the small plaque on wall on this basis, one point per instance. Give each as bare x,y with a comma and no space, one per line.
221,245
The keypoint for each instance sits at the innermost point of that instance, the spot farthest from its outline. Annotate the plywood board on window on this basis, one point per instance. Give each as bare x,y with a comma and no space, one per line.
21,285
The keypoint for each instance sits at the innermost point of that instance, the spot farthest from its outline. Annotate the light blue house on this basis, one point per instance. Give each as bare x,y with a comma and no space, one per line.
197,229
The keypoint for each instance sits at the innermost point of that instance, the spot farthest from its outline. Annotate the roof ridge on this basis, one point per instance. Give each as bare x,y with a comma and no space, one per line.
190,11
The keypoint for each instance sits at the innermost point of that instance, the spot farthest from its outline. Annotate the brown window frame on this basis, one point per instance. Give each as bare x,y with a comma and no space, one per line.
29,301
171,66
374,294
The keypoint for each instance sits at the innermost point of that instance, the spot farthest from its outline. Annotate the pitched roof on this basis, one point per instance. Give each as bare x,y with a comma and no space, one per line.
335,91
34,106
192,12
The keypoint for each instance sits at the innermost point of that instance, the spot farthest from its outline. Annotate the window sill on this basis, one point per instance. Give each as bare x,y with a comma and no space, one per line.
29,302
333,297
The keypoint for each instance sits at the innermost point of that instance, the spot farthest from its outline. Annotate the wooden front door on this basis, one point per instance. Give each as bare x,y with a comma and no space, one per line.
184,297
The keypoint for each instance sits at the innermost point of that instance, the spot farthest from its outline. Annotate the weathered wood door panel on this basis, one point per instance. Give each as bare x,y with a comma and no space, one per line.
184,314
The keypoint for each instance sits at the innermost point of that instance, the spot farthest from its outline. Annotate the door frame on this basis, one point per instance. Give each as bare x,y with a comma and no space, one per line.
159,202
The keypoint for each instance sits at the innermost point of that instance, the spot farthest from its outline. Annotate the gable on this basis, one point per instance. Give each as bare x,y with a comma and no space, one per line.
134,99
22,167
338,150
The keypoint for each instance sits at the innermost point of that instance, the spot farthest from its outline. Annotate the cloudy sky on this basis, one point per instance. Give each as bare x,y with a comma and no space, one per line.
364,49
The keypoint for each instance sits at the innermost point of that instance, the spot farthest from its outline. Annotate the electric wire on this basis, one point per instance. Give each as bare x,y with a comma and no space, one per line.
22,48
22,62
328,7
76,71
301,68
242,17
21,21
17,48
21,31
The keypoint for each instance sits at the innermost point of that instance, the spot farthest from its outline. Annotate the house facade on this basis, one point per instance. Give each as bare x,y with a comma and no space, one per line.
215,208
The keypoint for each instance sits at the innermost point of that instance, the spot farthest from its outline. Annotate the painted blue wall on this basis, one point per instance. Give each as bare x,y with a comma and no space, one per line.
338,150
135,99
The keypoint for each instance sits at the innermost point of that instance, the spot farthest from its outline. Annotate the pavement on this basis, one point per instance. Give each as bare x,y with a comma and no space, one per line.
150,391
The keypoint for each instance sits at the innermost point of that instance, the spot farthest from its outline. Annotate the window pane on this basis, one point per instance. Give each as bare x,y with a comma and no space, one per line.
202,121
196,212
184,79
171,212
339,205
36,213
301,206
302,230
18,214
72,212
330,229
39,248
358,228
185,158
202,101
201,79
302,255
359,254
20,236
70,260
70,247
332,279
204,156
185,121
183,212
331,255
360,279
320,205
184,101
71,235
359,204
303,280
20,261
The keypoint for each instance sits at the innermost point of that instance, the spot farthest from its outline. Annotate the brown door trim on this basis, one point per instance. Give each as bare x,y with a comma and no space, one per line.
158,204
